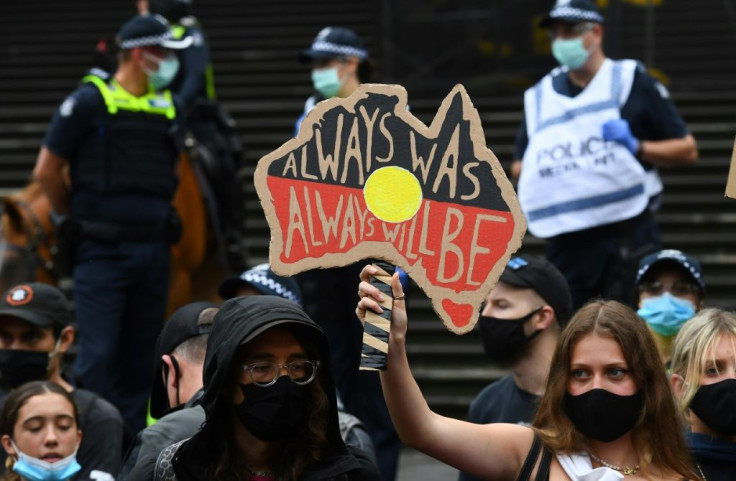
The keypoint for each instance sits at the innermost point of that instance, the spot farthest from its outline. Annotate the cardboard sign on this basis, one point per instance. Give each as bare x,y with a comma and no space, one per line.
731,183
364,178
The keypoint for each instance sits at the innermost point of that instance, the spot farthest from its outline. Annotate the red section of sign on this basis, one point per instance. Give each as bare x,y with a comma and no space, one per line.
460,314
456,245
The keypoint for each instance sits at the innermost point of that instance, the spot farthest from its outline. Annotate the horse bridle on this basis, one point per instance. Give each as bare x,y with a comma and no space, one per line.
37,236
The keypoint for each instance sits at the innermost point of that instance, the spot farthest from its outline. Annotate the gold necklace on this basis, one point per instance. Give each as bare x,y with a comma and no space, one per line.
625,470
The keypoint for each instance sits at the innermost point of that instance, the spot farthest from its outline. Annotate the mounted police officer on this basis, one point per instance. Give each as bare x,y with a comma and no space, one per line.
117,139
594,133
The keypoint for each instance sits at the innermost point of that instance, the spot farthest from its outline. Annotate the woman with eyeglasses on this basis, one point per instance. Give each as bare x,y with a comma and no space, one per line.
269,401
607,413
704,381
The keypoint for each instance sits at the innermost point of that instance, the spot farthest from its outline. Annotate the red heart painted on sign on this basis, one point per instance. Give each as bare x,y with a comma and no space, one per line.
459,313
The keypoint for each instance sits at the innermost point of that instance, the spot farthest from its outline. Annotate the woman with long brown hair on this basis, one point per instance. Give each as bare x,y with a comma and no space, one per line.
607,413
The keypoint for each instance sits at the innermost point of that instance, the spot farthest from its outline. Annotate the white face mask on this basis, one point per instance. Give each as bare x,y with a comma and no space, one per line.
167,69
34,469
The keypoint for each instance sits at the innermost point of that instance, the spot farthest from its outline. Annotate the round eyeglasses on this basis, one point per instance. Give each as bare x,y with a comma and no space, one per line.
265,373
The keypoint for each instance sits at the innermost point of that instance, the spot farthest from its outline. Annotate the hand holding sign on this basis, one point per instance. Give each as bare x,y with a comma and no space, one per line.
365,178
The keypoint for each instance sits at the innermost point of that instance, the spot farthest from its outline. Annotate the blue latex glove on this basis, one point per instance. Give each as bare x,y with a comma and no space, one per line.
618,130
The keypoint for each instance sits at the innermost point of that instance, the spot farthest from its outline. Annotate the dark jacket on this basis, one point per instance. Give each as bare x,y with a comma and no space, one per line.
238,321
173,427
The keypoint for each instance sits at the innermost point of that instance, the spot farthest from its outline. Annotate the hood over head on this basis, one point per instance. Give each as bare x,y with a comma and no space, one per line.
239,321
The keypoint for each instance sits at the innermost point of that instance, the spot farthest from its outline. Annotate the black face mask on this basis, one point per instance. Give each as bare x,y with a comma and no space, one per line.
504,338
20,366
270,413
602,415
715,405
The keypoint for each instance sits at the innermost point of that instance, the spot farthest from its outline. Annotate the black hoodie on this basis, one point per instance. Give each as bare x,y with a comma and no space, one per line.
239,321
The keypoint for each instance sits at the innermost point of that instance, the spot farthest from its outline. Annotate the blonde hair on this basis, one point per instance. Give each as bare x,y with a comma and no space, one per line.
694,348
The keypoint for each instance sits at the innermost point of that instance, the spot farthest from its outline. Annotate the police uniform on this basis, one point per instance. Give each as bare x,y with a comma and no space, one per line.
592,198
122,158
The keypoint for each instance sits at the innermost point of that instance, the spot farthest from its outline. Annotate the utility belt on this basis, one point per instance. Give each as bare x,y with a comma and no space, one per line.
74,230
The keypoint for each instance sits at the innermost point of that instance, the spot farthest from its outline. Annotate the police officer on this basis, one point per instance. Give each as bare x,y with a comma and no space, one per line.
594,132
194,79
213,142
116,139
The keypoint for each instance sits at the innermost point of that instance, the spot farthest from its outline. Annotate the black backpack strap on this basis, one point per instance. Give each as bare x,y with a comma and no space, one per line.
531,459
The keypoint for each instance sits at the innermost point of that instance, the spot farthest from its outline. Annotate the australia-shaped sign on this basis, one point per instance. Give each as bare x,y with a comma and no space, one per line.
364,178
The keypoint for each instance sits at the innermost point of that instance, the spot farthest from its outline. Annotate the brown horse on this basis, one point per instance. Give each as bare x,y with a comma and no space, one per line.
27,242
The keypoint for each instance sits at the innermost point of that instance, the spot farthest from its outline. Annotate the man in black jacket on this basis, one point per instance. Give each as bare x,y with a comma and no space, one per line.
177,388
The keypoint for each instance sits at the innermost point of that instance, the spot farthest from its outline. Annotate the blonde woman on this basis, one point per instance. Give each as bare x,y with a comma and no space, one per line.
704,381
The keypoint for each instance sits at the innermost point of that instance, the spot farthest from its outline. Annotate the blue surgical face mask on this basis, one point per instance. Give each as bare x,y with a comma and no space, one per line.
167,69
666,314
326,81
34,469
570,52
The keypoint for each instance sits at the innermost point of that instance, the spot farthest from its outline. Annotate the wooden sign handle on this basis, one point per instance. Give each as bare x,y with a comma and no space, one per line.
377,326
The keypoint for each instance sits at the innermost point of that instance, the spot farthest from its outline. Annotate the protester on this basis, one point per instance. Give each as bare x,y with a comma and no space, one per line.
262,424
519,325
704,381
595,130
40,433
670,290
35,334
607,410
261,280
117,140
177,388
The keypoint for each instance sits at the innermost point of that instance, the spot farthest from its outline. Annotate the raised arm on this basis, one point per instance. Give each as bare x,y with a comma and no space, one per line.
492,451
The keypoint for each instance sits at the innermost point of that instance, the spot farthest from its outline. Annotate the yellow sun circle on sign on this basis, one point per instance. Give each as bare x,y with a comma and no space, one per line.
393,194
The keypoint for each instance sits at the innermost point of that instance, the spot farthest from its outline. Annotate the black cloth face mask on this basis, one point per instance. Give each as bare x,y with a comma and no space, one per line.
715,405
270,413
503,338
19,366
603,415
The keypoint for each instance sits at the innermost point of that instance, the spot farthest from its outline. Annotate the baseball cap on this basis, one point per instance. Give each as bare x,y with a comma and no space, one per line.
149,30
674,257
333,42
40,304
545,279
572,11
263,279
184,324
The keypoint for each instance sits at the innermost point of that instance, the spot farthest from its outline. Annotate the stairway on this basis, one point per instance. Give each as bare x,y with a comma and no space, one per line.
255,44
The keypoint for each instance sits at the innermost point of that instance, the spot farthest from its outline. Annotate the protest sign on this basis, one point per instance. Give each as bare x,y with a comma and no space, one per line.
364,178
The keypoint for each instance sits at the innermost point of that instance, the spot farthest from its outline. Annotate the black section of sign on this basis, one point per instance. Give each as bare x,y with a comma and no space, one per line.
454,174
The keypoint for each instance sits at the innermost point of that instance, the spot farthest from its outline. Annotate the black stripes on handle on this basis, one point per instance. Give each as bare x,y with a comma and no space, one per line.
377,326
